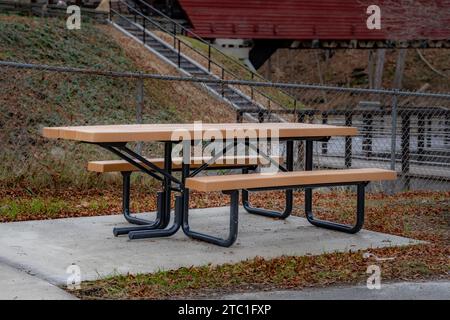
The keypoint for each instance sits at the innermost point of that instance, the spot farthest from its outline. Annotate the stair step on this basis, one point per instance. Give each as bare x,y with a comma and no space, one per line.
242,103
232,94
171,57
151,42
134,31
192,71
130,28
168,52
183,62
236,97
218,86
188,64
159,48
238,100
198,71
190,67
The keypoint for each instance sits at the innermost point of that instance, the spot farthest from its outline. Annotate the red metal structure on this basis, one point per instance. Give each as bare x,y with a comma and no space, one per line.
318,19
266,25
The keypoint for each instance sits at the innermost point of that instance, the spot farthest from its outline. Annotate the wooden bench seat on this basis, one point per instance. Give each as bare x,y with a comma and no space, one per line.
227,162
232,184
126,169
286,179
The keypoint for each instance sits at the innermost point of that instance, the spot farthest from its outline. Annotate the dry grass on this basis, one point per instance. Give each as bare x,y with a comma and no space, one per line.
401,215
193,100
349,68
419,215
410,264
411,214
33,99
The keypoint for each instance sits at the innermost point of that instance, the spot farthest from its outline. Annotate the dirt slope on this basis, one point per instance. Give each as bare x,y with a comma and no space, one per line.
30,100
349,68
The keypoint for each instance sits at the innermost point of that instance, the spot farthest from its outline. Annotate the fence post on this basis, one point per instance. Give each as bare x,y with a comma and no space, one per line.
222,83
209,58
430,124
367,127
109,12
179,53
447,128
420,135
139,108
261,116
406,133
174,35
143,31
324,144
301,143
394,116
251,88
348,140
239,116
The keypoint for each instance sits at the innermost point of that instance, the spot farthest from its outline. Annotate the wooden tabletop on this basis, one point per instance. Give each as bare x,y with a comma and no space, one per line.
174,132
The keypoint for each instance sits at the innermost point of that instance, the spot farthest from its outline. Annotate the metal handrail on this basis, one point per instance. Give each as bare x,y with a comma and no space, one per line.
200,39
224,71
162,29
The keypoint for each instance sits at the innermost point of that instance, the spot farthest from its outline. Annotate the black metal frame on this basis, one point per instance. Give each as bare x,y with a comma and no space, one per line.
233,228
145,224
234,203
234,207
288,194
308,211
163,200
148,228
158,233
360,194
158,227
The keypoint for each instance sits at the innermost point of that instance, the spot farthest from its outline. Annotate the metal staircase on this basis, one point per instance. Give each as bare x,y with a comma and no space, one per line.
254,104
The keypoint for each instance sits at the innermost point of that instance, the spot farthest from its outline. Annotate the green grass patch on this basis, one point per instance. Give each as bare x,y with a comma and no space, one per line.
48,207
256,274
33,99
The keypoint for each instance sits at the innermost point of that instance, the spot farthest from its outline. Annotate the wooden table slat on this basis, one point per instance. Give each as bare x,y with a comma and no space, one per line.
165,132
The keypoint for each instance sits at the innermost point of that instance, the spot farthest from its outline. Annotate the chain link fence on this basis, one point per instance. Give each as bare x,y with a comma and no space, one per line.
408,132
405,131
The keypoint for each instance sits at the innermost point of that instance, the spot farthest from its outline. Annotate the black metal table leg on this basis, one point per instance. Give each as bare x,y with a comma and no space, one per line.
178,218
234,208
337,226
163,201
308,167
233,229
309,199
143,224
288,193
163,206
126,201
167,183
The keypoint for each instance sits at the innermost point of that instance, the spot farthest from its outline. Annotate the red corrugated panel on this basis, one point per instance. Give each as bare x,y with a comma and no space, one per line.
318,19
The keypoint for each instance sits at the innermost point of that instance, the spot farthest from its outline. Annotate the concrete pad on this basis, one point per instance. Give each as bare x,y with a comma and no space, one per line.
49,247
433,290
18,285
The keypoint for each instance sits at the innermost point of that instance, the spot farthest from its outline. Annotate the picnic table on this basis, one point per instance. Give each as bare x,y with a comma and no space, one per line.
116,137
